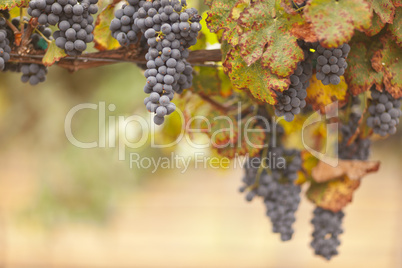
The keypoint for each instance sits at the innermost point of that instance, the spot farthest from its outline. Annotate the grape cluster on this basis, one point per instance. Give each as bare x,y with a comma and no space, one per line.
384,112
292,100
122,26
170,29
359,149
33,73
327,227
73,18
331,63
276,186
4,40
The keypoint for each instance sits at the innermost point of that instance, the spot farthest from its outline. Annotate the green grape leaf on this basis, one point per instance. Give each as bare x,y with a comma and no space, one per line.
334,21
396,28
259,81
267,27
384,9
333,195
206,80
102,35
53,54
360,75
376,26
388,61
223,15
8,4
209,81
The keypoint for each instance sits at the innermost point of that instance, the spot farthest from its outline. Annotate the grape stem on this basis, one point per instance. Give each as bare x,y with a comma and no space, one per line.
216,104
15,30
259,171
44,37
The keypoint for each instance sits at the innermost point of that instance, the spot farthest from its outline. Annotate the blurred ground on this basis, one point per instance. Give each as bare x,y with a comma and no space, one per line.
197,220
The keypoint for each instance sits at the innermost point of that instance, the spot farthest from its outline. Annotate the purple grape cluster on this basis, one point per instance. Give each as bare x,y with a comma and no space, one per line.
5,48
359,149
331,63
327,228
276,187
122,26
170,29
292,100
384,112
74,20
33,73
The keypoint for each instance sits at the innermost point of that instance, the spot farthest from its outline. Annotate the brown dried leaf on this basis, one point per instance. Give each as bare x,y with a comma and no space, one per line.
333,195
354,169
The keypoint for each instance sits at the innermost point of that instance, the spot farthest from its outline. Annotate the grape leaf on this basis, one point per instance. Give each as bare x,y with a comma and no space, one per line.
208,81
250,143
353,169
333,195
396,28
388,61
308,163
208,2
53,54
223,129
320,96
268,28
360,75
8,4
102,36
260,82
376,26
335,21
384,9
223,15
304,31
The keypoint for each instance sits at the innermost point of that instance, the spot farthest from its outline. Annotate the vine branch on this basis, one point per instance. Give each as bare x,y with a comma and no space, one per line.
106,57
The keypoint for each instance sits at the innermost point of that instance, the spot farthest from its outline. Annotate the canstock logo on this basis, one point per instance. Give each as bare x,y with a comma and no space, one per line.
330,156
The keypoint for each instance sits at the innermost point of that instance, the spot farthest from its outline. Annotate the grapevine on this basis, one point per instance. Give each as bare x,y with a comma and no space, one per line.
265,60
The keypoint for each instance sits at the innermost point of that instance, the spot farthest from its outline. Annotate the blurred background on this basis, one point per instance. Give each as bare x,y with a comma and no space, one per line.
66,207
61,206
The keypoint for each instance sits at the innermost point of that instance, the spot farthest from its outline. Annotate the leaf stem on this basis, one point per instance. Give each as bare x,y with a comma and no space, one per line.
44,37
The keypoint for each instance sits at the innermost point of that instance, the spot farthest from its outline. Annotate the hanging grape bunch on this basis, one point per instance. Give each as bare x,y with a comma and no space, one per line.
170,29
384,113
331,63
292,100
4,40
327,228
74,20
122,26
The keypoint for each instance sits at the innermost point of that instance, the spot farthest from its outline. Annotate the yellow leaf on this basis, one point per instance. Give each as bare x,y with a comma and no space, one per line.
319,96
102,35
53,54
